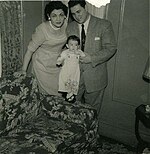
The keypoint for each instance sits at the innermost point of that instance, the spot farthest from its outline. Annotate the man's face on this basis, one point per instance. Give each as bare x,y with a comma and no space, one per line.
79,13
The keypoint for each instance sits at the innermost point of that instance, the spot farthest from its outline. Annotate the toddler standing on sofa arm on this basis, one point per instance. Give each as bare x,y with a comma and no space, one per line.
70,72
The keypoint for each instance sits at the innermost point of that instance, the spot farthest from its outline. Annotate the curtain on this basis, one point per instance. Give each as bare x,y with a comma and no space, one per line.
100,12
0,57
11,36
146,73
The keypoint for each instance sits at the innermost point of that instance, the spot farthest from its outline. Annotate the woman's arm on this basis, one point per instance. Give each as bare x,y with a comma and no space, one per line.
26,60
37,39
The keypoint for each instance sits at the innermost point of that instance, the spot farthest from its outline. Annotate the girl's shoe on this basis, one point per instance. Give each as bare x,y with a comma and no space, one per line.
71,99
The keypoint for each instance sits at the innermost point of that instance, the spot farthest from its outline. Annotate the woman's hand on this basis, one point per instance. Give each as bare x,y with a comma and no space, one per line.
20,73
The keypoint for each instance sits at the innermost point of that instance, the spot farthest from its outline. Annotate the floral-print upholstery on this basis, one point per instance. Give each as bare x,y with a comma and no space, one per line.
31,122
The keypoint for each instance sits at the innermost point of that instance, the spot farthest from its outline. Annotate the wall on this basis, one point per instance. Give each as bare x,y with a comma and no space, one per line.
126,89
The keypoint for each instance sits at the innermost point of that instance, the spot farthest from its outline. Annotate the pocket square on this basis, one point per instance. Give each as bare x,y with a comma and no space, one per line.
97,38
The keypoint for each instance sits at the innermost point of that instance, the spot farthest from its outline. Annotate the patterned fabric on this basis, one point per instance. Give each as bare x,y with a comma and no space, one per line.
11,36
19,100
32,122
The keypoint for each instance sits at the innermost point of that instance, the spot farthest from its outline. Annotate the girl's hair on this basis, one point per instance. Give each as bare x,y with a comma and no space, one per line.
74,38
72,3
52,5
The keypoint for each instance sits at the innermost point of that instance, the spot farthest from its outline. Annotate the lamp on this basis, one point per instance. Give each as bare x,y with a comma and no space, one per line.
146,73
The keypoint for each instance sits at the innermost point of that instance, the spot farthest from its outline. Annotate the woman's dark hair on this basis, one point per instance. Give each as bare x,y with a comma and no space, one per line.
74,38
72,3
52,5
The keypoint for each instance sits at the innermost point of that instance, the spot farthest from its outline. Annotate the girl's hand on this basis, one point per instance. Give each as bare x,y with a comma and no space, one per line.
86,59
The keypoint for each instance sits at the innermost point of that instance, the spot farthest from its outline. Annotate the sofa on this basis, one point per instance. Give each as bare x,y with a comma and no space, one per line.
35,123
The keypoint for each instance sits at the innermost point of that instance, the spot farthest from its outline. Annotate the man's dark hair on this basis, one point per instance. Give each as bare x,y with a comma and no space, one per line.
74,38
52,5
72,3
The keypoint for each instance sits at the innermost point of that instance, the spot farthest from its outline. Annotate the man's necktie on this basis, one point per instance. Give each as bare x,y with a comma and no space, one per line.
83,37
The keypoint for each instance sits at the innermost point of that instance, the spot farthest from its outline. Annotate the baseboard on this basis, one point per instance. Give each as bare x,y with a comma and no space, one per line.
117,134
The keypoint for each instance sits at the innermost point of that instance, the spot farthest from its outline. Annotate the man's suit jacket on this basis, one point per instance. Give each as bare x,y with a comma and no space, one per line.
101,45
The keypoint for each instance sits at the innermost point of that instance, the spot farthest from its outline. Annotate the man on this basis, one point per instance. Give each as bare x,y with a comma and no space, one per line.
99,45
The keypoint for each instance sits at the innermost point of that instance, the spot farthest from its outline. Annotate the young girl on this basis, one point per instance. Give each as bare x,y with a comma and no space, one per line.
70,72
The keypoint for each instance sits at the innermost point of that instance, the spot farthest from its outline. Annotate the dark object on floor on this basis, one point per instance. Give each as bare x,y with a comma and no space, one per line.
144,117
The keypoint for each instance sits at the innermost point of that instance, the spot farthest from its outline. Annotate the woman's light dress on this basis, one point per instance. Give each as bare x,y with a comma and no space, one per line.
47,44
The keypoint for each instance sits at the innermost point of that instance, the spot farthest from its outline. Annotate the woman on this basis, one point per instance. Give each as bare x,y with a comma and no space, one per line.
46,45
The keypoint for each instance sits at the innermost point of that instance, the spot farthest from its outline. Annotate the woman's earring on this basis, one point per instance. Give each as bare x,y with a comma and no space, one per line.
49,19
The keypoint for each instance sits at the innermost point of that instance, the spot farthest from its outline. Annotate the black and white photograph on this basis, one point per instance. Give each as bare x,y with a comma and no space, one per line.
74,77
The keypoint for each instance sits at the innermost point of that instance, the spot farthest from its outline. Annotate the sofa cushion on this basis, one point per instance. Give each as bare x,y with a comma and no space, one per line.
77,112
46,135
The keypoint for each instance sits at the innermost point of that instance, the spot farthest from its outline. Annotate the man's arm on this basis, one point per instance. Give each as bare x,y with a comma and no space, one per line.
109,47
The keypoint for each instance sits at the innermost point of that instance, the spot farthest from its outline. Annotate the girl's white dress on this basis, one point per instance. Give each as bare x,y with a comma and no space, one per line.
70,72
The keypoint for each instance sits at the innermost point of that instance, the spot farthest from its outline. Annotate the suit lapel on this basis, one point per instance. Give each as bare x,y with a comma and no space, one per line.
90,30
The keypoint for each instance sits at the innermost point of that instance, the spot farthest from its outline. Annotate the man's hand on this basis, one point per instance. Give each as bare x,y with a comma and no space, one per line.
86,59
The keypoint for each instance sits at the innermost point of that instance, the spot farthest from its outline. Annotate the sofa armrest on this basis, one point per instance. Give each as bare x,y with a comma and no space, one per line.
78,113
16,86
18,100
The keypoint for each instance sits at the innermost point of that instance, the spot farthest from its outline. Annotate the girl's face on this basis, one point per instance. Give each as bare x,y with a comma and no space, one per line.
57,18
73,45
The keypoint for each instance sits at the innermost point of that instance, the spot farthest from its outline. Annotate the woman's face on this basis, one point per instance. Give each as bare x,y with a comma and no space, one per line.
57,18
